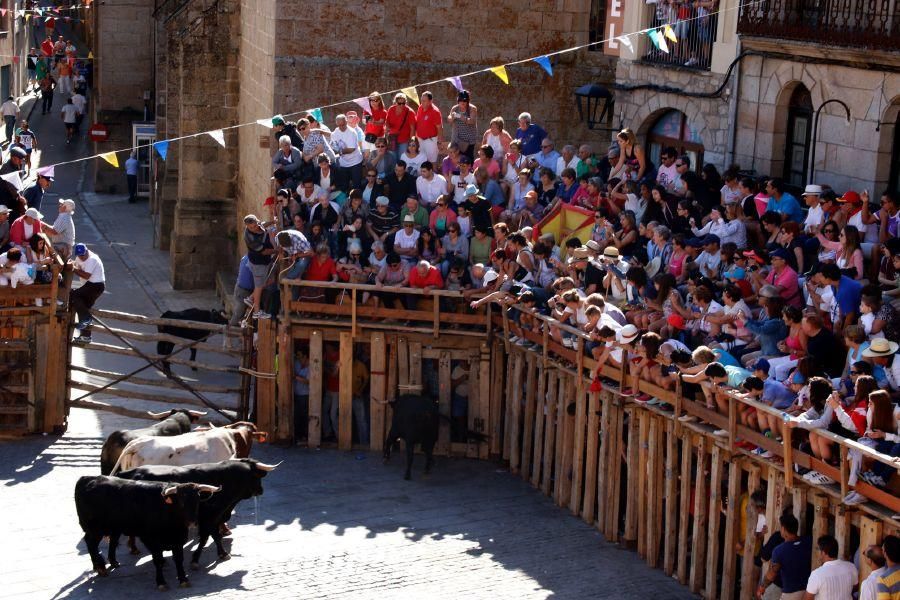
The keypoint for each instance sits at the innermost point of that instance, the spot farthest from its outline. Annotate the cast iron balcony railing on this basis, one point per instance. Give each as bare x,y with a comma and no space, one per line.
872,24
694,27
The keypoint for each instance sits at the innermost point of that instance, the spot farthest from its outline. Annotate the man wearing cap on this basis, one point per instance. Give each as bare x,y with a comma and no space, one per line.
406,241
89,267
28,225
350,158
281,127
9,193
4,228
383,221
815,216
34,193
710,260
478,207
399,185
259,252
64,238
429,126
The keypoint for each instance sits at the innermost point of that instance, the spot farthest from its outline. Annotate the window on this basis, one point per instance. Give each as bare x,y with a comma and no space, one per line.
597,31
799,129
673,129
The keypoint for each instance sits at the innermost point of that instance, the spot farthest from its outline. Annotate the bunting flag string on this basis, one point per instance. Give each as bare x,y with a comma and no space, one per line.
411,93
111,158
544,61
657,36
501,73
218,135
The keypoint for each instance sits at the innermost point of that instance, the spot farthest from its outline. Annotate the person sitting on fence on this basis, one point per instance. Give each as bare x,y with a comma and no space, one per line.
395,273
89,267
243,289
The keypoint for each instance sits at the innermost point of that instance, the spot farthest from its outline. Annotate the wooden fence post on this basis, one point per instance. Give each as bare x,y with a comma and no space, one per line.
529,416
284,409
485,386
589,506
698,559
540,419
265,387
578,446
497,424
316,387
345,392
870,534
552,415
377,358
444,402
565,473
515,423
684,500
715,522
671,495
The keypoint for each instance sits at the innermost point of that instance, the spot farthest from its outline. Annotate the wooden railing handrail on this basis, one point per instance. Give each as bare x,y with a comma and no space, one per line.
368,287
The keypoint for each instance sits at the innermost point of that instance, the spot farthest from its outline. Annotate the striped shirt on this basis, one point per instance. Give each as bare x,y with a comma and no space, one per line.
888,586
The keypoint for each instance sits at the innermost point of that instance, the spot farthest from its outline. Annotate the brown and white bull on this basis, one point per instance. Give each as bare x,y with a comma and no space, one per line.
196,447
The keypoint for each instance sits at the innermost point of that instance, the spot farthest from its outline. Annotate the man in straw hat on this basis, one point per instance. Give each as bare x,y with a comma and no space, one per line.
883,353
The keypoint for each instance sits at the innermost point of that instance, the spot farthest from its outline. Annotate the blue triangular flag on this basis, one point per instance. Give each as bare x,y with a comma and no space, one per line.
162,148
317,113
544,61
653,38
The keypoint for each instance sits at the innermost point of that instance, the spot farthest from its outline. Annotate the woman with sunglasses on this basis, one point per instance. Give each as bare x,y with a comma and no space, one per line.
848,251
413,157
375,118
441,217
463,118
453,246
400,124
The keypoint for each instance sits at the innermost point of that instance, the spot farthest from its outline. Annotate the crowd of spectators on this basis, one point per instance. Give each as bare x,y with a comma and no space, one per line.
730,283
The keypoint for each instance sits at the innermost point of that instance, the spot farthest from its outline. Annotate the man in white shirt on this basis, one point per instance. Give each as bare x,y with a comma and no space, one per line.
430,185
10,111
350,157
69,114
835,579
80,103
874,557
568,160
816,216
667,172
89,267
406,241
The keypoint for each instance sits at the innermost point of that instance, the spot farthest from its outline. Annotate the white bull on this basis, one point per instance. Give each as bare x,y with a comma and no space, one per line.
195,447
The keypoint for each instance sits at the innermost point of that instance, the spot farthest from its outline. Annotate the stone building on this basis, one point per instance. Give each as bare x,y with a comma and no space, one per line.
744,86
235,61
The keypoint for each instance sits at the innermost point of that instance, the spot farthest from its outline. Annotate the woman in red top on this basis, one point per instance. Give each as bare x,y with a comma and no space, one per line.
400,124
375,121
321,268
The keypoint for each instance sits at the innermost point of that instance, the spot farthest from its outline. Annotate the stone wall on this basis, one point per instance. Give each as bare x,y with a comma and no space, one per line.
848,155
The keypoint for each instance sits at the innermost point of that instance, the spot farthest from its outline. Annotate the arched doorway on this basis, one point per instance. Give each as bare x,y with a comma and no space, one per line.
894,179
799,129
673,129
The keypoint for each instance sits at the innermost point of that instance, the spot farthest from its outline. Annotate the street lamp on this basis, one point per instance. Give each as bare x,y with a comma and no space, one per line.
595,105
815,134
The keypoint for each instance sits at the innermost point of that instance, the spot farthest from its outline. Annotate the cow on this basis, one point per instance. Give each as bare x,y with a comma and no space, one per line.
171,422
159,513
214,316
211,445
415,421
239,479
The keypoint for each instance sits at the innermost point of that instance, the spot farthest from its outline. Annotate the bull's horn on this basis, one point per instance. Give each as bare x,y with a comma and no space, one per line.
170,490
159,415
261,436
197,413
265,467
212,489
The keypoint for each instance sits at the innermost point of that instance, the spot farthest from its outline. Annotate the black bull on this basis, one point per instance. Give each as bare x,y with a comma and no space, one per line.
159,513
415,421
239,479
215,317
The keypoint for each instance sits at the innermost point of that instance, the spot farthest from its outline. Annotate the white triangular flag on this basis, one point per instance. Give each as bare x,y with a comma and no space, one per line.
14,179
218,135
267,123
625,41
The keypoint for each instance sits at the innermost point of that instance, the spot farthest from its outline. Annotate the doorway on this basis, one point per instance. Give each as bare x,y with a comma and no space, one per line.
799,130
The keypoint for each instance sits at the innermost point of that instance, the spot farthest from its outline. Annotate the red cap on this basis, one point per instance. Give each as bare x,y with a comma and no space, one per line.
753,255
851,197
676,321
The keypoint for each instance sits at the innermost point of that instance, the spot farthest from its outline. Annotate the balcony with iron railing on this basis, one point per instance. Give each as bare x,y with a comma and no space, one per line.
694,28
872,24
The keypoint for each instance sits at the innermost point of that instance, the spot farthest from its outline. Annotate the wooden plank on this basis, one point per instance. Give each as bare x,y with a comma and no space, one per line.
156,321
415,365
842,524
551,417
539,421
473,411
749,575
119,410
158,382
684,502
403,364
671,495
589,506
565,473
633,473
38,385
715,522
559,450
316,388
656,475
124,351
444,401
641,474
515,424
732,521
136,395
870,534
345,392
529,415
603,476
820,524
578,444
497,395
614,482
265,388
377,381
485,385
162,337
284,402
390,392
508,404
698,560
798,505
775,497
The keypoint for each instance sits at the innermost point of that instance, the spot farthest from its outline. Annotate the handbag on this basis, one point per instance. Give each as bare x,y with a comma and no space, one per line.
370,138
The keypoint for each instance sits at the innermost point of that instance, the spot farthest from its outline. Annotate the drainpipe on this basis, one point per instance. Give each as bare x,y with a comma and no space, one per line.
733,111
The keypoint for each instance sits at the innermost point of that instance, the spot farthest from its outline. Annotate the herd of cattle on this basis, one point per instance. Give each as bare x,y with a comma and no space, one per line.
159,481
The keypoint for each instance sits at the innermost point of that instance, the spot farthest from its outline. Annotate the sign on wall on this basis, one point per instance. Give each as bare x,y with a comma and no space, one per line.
615,18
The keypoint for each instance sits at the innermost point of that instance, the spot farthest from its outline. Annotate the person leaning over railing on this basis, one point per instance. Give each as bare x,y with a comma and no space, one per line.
395,273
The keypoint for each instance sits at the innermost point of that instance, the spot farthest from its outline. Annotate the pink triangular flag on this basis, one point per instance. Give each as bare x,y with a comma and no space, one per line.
47,171
457,83
365,104
2,12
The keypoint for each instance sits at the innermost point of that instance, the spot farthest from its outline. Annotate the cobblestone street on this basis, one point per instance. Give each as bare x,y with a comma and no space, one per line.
330,525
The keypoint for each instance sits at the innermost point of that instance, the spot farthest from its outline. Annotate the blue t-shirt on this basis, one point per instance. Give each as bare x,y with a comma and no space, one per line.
794,559
531,139
245,275
493,193
788,205
777,395
847,295
736,375
725,358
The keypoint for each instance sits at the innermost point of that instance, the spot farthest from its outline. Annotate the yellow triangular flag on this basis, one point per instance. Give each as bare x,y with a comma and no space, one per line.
501,73
90,55
411,93
670,33
110,157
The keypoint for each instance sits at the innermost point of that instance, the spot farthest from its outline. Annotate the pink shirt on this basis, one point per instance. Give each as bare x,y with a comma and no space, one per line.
787,280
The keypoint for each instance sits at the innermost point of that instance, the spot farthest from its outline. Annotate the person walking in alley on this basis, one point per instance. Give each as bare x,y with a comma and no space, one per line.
10,111
131,173
89,267
69,114
47,85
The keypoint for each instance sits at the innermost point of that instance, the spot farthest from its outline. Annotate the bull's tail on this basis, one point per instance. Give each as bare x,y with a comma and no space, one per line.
128,450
